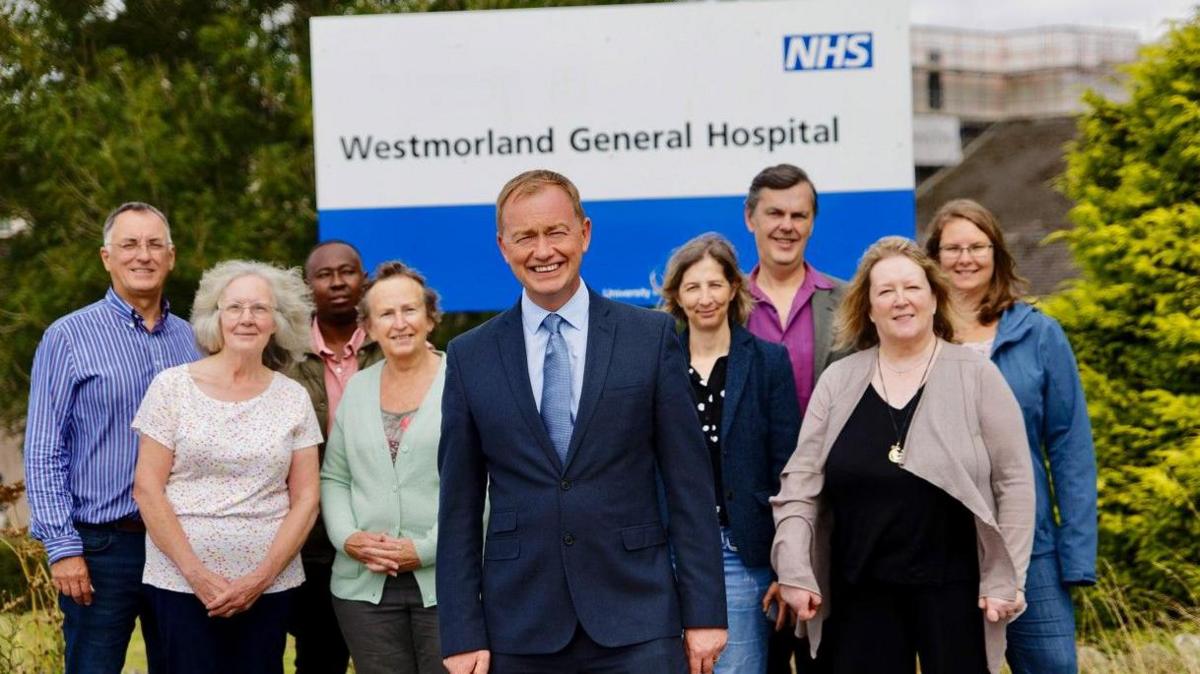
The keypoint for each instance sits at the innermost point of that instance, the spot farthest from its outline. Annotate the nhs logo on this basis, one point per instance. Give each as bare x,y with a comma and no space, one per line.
830,51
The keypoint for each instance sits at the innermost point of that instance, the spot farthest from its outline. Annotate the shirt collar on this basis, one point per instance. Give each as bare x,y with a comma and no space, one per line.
321,349
813,280
574,312
126,310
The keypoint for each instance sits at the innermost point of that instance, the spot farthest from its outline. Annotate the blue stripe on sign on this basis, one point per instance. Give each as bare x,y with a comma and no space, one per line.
455,246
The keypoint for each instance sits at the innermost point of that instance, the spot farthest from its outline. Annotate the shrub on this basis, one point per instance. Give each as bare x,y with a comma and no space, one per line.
1134,316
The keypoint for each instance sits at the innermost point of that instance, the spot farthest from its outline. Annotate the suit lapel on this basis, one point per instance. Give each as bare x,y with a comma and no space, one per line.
737,369
600,338
511,341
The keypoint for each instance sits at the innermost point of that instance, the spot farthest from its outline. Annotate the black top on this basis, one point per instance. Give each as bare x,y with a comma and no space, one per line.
709,397
890,525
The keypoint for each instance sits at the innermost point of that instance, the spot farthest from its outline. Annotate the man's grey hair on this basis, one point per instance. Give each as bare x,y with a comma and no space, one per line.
293,309
137,207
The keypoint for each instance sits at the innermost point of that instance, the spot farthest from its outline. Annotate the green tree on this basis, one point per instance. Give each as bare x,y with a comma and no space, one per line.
201,107
1134,316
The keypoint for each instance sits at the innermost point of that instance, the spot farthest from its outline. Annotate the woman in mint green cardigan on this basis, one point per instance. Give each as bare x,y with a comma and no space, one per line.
379,483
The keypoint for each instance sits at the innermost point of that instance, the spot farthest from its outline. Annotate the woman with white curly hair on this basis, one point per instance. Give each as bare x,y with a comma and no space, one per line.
227,477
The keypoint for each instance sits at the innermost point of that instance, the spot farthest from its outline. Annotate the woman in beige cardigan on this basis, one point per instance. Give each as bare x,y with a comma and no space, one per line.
905,518
379,484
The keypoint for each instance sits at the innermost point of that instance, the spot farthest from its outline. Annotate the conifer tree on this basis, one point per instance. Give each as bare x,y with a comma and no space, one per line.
1134,316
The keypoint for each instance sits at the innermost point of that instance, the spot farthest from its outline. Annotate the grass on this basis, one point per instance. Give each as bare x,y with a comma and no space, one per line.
1124,631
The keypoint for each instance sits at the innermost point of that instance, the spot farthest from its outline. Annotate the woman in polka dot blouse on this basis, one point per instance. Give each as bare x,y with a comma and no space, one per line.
746,407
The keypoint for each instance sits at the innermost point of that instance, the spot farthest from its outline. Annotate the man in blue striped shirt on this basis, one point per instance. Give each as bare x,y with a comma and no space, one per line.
89,374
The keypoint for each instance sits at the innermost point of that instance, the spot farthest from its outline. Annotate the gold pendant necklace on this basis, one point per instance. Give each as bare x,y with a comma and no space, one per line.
896,451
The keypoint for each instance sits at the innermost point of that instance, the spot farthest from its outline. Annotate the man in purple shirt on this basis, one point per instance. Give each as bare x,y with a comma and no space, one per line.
794,306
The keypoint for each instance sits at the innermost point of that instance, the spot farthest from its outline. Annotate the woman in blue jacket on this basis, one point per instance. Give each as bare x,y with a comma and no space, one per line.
1035,357
745,400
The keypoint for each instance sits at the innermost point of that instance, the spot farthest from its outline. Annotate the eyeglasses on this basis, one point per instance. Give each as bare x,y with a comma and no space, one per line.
257,310
976,250
132,246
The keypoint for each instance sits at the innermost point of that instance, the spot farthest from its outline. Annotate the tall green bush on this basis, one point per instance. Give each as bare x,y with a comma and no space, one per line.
1134,317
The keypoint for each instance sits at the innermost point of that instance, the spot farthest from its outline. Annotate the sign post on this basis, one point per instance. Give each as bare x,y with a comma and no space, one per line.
661,114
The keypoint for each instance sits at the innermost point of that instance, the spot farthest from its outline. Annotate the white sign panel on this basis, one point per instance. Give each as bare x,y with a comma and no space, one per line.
661,114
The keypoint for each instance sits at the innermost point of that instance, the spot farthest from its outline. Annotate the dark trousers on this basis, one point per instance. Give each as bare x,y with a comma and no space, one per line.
784,646
250,642
320,648
97,636
584,656
883,628
399,635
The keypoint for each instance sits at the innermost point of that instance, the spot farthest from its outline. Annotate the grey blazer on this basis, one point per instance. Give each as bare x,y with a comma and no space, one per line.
824,310
967,437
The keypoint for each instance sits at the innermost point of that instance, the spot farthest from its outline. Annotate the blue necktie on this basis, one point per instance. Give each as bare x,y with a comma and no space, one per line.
556,388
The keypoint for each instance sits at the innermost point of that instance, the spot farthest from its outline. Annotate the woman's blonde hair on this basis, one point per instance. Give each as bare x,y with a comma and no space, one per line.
720,249
854,328
292,311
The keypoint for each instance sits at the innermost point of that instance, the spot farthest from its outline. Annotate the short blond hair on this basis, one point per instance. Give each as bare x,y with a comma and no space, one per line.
532,182
293,309
854,328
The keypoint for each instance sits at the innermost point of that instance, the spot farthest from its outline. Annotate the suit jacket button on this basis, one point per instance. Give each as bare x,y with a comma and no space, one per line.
565,484
568,539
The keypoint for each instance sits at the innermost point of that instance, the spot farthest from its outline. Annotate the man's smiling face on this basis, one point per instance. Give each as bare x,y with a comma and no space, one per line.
543,241
138,254
782,222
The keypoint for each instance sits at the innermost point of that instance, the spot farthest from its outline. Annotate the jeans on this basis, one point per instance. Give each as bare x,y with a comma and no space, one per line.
746,650
97,636
1042,640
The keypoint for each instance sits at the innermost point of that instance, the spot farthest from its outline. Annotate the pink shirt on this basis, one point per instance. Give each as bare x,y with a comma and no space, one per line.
339,367
796,334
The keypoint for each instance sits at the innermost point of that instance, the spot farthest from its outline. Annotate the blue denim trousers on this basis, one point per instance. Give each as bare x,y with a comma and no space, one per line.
1042,640
746,650
97,636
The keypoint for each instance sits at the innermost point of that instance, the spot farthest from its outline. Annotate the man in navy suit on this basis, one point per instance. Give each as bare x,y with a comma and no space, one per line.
563,410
